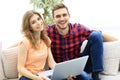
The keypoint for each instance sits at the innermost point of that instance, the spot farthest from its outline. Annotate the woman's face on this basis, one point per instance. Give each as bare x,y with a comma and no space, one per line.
36,23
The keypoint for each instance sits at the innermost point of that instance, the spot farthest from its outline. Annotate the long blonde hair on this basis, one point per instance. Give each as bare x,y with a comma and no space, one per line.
26,30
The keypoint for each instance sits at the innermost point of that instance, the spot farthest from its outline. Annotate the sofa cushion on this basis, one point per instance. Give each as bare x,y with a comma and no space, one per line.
1,66
9,57
111,57
110,77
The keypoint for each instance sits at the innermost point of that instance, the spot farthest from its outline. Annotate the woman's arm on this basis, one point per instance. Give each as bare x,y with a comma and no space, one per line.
51,61
22,55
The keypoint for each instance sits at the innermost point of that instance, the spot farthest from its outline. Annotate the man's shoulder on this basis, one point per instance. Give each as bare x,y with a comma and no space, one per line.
75,25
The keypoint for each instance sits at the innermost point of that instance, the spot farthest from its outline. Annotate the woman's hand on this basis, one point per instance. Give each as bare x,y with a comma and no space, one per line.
70,77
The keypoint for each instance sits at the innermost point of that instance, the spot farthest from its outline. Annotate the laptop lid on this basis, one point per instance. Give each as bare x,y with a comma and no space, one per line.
72,67
62,70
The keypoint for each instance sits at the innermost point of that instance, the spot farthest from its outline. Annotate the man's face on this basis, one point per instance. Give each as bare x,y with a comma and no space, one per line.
61,18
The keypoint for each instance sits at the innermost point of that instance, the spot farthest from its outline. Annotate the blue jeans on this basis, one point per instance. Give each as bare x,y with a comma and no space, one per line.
24,78
94,49
83,76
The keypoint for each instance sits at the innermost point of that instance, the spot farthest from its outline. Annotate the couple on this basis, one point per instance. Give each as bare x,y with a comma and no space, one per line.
63,42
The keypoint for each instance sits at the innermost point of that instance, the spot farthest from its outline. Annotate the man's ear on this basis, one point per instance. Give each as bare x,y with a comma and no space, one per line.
69,15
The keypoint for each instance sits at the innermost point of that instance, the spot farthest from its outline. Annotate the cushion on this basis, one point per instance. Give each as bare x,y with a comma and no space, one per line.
9,57
1,69
111,57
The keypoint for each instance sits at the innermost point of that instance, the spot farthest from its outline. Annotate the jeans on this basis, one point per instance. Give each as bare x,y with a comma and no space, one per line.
94,49
24,78
82,76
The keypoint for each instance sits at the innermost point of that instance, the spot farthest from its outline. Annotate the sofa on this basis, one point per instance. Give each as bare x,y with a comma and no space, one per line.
111,59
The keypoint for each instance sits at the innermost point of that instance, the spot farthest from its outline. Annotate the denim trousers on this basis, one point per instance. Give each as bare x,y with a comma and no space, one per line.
82,76
24,78
94,48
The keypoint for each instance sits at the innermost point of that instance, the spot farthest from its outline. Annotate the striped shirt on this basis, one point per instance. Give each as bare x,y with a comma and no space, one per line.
66,47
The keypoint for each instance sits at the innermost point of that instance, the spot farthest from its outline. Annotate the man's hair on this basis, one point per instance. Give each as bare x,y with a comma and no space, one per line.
59,6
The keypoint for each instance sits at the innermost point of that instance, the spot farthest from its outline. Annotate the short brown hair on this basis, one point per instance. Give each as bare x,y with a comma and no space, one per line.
59,6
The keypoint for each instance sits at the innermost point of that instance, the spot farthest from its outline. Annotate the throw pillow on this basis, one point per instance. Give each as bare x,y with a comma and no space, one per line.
111,57
1,66
9,57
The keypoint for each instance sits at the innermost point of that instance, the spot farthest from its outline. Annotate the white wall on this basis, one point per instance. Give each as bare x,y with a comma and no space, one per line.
97,14
11,13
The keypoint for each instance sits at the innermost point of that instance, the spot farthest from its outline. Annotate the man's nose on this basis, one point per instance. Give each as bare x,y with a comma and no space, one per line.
61,18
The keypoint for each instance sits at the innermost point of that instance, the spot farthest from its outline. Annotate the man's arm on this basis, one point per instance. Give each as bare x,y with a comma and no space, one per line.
108,38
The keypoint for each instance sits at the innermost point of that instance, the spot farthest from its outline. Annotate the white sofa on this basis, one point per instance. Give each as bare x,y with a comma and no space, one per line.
8,62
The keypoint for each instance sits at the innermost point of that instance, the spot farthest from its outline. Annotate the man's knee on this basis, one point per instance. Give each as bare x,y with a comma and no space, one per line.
96,35
83,76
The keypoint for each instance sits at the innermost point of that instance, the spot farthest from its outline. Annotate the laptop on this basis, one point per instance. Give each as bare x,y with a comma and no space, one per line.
63,69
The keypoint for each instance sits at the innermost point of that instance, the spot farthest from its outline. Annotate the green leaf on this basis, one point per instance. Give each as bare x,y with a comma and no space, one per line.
47,6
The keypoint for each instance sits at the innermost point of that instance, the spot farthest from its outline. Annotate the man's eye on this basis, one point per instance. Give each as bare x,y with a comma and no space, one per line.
58,16
64,15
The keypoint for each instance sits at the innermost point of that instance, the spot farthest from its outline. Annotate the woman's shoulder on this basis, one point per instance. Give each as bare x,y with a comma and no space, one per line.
25,41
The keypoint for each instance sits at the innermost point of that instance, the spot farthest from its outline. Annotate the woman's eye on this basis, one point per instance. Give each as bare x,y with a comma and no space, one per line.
39,19
33,22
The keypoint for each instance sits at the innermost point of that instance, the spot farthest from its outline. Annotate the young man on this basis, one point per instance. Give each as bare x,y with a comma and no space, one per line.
67,39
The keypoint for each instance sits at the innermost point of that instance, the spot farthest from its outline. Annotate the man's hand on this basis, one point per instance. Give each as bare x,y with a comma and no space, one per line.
71,77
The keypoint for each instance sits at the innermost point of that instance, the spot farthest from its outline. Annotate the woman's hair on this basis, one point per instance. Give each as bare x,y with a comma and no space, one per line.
26,29
59,6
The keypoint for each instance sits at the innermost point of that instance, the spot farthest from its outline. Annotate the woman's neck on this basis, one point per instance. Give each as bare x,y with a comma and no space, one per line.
37,35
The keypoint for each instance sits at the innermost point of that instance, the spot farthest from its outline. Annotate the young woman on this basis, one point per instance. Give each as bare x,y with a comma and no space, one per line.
34,49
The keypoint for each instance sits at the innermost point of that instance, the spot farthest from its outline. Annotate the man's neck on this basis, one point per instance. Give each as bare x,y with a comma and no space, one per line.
64,31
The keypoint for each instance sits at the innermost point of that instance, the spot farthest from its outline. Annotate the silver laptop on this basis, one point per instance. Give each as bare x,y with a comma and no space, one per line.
62,70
